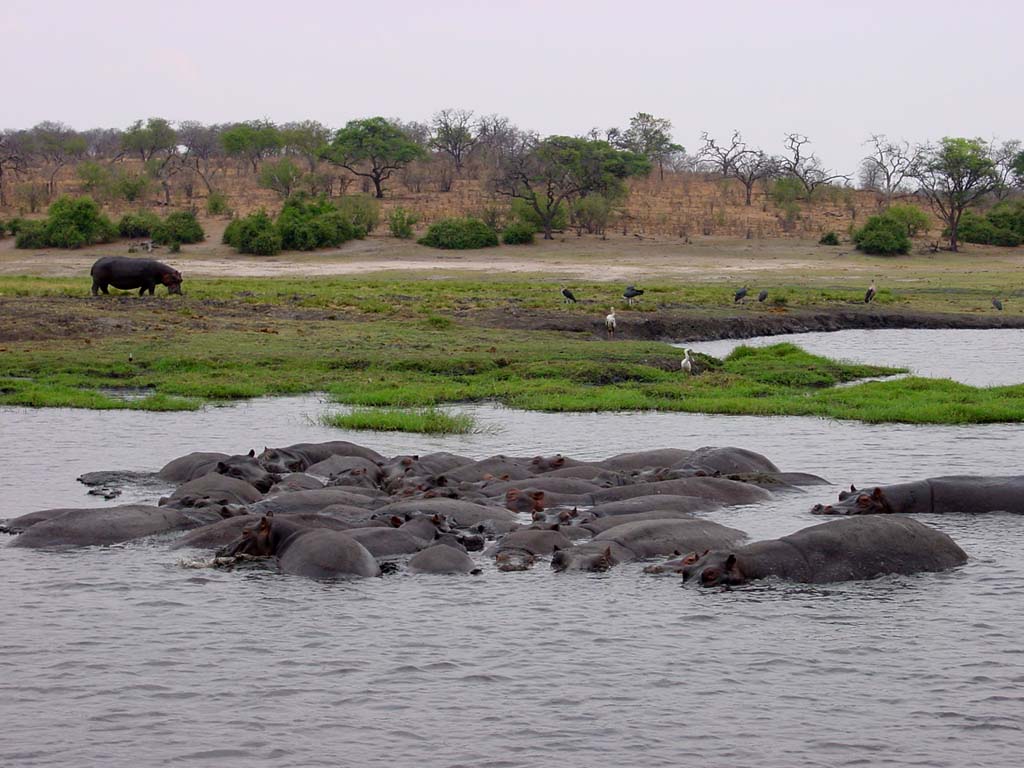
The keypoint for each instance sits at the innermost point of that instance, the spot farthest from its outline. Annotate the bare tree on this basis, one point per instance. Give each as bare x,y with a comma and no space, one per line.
888,166
12,160
722,158
1004,156
203,150
750,167
56,145
807,169
453,132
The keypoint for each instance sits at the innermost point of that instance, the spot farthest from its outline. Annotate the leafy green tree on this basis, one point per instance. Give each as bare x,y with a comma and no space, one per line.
649,136
910,217
56,145
306,140
592,213
373,148
147,140
253,140
954,175
557,171
96,178
282,176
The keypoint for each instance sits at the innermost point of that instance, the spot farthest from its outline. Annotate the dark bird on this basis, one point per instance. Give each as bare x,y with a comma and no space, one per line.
131,357
568,295
740,294
631,293
870,294
997,304
609,322
762,295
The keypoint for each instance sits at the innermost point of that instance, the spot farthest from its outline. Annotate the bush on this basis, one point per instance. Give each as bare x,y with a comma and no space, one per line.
518,233
401,222
459,234
3,229
523,211
883,236
592,213
30,234
72,223
255,233
138,224
130,187
1009,216
15,225
217,204
829,238
178,227
362,211
910,217
307,223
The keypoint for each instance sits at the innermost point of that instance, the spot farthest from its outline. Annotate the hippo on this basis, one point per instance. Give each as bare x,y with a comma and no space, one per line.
213,488
335,465
248,469
295,481
659,502
442,559
842,550
956,493
385,541
311,501
659,457
644,539
728,492
190,466
125,273
518,550
301,456
530,500
727,460
223,532
315,553
500,467
463,514
104,525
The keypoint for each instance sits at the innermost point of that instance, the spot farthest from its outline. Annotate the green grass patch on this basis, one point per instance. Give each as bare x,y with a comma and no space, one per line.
430,421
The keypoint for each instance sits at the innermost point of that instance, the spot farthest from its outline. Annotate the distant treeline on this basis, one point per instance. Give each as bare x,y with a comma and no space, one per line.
550,175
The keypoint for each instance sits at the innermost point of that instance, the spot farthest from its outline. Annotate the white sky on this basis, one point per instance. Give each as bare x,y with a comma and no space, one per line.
836,71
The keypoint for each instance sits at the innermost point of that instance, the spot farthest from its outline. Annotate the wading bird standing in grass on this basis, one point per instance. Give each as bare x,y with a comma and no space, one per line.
568,296
997,304
687,364
870,294
609,322
762,295
631,293
740,295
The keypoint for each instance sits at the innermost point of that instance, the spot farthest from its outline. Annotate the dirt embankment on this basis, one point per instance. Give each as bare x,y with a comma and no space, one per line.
31,319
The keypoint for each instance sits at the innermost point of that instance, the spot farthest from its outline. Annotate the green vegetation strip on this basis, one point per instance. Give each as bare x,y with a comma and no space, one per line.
217,345
430,421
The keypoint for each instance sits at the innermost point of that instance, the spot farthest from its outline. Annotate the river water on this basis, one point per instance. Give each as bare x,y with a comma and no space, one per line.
122,656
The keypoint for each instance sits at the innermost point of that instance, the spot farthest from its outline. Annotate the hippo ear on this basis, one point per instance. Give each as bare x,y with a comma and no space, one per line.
436,519
222,467
556,527
441,480
395,521
264,525
877,493
252,453
505,478
537,495
575,512
853,488
730,561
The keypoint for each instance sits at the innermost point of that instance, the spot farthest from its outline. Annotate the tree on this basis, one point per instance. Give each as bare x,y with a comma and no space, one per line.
203,148
722,158
954,175
1005,156
888,167
452,133
553,173
157,135
373,148
282,176
649,136
12,160
56,145
739,162
807,169
1018,169
306,139
253,140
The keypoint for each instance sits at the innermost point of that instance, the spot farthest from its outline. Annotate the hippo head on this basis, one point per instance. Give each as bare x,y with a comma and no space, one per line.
256,542
515,560
172,280
541,464
677,565
713,569
248,469
280,461
520,501
571,560
854,502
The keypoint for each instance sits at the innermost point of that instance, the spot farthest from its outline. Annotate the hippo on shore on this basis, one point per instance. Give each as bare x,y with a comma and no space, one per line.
126,274
844,550
937,495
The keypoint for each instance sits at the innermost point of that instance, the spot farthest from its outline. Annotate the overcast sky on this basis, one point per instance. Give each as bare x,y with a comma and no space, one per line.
836,71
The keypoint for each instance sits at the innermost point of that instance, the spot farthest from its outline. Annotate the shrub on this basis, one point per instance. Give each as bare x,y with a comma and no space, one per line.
523,211
15,225
178,227
307,223
459,234
401,222
217,204
3,229
518,233
910,217
829,238
138,224
255,233
362,211
72,223
883,236
130,187
30,234
592,213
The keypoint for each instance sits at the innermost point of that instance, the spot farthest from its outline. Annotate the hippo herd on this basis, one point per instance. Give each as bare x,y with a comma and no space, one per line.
342,510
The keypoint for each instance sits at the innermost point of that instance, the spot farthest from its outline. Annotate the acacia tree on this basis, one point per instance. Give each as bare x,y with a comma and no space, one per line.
56,145
373,148
806,169
156,136
253,140
281,176
954,175
452,132
306,139
888,167
555,172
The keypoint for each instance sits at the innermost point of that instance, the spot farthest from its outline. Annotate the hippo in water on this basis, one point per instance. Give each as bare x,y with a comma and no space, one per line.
317,553
125,273
958,493
844,550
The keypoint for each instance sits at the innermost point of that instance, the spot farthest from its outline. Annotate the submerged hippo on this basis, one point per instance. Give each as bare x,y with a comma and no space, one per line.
101,526
126,274
317,553
844,550
957,493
